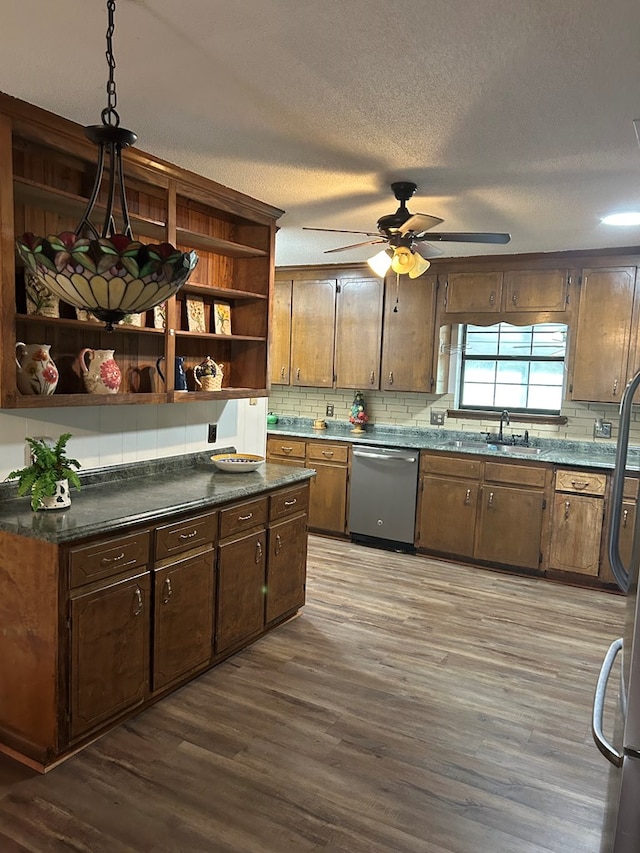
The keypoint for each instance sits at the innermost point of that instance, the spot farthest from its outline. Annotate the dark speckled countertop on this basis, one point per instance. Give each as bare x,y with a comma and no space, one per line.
119,497
582,454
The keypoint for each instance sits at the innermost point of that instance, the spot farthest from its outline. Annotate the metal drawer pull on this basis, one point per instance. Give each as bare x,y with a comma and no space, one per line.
276,550
138,597
372,379
258,551
286,449
169,591
625,516
492,297
245,517
189,535
514,298
282,372
580,484
391,377
291,503
106,560
615,386
567,504
298,373
490,499
467,497
328,453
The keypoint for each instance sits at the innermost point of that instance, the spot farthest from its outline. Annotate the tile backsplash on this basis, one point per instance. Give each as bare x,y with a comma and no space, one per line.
414,410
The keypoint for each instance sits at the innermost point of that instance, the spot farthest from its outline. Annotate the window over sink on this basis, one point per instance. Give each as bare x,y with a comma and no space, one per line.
519,368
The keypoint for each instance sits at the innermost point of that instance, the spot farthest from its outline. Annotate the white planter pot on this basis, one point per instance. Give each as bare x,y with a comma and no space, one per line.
60,499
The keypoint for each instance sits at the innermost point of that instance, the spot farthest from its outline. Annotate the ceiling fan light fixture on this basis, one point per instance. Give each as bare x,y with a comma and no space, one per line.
630,217
421,265
408,262
107,272
381,262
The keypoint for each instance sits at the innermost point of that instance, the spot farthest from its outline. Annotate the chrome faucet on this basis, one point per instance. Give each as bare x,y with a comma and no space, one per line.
504,418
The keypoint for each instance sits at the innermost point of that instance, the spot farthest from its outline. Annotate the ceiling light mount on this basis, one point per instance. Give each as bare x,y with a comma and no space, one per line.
108,272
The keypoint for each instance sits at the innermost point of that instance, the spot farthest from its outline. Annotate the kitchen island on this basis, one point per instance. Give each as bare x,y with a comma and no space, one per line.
157,572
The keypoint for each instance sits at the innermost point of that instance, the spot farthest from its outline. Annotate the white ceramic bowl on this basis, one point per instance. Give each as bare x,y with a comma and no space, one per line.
237,462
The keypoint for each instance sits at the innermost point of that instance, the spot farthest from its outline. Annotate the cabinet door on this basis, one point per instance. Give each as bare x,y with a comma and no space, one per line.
313,308
109,670
473,292
286,567
280,355
358,333
627,527
183,617
447,515
328,497
241,580
535,290
509,526
407,334
602,338
575,533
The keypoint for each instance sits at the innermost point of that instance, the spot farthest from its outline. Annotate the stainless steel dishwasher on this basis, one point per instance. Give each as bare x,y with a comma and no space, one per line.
382,503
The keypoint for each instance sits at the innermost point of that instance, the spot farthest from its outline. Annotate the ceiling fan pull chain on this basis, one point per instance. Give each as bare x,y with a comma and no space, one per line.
395,307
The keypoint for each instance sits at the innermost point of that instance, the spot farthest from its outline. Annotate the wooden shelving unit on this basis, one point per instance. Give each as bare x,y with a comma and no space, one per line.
50,166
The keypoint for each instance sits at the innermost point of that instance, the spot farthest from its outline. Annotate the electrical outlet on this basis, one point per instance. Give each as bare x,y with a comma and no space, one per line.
329,410
212,433
436,418
601,429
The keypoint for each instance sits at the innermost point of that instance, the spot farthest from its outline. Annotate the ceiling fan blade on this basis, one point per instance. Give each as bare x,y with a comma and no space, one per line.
342,231
355,246
469,237
427,250
420,222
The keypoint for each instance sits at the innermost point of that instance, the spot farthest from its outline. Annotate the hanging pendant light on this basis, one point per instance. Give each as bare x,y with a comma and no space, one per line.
105,271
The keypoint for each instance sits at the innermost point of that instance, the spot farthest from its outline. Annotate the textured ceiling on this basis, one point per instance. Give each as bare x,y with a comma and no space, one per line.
510,115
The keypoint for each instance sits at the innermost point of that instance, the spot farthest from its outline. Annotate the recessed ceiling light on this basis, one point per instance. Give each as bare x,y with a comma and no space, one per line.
631,217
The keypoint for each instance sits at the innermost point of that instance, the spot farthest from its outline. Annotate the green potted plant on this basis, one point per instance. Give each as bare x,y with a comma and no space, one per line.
48,477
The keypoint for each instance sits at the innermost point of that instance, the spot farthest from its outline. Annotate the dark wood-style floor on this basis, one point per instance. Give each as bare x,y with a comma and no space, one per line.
413,707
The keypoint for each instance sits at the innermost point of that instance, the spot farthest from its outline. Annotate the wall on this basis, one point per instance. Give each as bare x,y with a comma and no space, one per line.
412,409
112,435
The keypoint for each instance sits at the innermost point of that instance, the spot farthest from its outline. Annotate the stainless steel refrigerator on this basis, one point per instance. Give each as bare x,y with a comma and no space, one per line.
621,831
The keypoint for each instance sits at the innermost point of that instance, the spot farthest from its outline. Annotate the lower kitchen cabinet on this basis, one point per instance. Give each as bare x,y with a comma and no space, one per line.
286,567
625,533
577,522
109,654
328,496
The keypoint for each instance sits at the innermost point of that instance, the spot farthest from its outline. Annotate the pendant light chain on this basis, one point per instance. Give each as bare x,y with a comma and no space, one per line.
110,114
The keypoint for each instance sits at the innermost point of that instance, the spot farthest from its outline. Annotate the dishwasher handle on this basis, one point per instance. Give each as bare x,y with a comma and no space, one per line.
609,751
384,456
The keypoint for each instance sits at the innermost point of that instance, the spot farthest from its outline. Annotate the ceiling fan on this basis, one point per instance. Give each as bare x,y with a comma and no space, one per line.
405,232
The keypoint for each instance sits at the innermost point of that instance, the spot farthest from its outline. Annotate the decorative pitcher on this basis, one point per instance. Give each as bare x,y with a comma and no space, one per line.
180,378
101,374
208,375
36,370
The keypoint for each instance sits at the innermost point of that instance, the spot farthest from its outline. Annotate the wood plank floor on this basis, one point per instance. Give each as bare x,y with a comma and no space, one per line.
413,707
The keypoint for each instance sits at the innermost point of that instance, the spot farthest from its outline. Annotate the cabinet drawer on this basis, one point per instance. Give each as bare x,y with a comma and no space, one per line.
516,475
451,466
289,502
320,451
286,447
108,557
581,482
242,517
185,534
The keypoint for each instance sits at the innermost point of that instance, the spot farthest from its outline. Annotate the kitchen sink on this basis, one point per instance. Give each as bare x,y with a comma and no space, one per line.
514,448
469,445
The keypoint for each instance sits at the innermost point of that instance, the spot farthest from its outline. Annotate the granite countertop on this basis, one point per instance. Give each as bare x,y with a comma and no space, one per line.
582,454
119,497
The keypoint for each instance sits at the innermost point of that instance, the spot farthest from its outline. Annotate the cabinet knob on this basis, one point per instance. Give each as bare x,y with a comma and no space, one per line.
490,499
625,516
391,377
492,298
614,390
467,497
514,298
282,372
567,504
372,378
298,373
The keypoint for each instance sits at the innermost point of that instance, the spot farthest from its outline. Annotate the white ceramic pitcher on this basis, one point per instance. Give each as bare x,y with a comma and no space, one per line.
100,373
36,370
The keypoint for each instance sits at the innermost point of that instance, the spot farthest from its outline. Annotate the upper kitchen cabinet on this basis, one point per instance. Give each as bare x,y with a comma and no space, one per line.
600,359
506,292
358,325
280,359
47,169
408,334
313,309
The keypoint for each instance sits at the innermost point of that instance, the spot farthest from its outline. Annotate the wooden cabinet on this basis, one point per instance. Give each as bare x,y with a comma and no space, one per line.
626,531
287,557
281,333
600,355
328,496
576,522
508,291
241,574
313,306
480,509
286,451
408,334
46,169
447,503
358,326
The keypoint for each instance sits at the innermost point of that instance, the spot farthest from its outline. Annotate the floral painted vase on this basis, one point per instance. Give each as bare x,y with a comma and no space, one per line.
100,373
36,370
